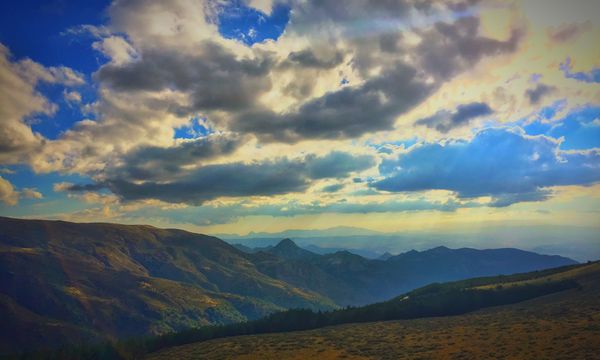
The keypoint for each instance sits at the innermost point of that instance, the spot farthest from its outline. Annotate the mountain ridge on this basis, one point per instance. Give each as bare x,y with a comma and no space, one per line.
92,280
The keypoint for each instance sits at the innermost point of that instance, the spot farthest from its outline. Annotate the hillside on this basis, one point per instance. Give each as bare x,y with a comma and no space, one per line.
64,282
561,325
72,282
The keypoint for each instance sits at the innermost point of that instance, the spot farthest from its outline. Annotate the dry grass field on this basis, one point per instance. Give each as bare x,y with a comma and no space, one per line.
565,325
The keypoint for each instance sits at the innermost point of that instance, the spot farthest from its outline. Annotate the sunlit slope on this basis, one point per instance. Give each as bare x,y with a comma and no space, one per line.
562,325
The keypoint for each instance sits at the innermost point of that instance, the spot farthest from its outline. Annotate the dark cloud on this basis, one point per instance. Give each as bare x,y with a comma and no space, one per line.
509,199
449,49
336,164
309,14
332,188
346,113
85,187
444,51
444,121
537,93
390,42
239,179
567,32
218,80
215,78
504,164
156,163
308,59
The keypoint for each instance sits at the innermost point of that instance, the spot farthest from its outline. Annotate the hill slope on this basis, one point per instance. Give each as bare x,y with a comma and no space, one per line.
67,282
562,325
61,280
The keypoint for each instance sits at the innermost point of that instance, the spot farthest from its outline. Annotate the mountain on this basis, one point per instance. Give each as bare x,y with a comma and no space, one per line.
546,239
366,253
386,255
287,249
62,281
267,244
66,281
349,279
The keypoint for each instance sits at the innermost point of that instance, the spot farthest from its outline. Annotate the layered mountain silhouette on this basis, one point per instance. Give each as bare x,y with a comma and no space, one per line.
68,282
349,279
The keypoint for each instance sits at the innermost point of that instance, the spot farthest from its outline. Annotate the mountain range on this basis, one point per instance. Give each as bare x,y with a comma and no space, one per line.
548,239
69,282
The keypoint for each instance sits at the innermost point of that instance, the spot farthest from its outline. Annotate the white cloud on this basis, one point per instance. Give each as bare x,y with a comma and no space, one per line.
8,195
266,6
31,193
72,96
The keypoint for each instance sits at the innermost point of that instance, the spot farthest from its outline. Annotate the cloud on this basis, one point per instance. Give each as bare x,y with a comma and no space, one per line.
156,163
65,186
213,214
332,188
537,93
568,32
30,193
265,6
18,100
308,59
117,49
213,77
336,164
168,63
267,178
509,199
34,72
8,194
444,121
346,113
72,96
505,164
593,76
62,186
405,78
451,48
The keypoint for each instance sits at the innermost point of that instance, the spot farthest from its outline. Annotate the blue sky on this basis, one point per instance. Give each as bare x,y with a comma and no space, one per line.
260,115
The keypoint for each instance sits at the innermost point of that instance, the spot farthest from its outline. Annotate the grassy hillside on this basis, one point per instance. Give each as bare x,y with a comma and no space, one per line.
436,300
72,282
562,325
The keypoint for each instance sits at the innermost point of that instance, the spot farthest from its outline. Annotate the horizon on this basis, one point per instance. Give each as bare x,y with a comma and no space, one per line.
442,120
371,244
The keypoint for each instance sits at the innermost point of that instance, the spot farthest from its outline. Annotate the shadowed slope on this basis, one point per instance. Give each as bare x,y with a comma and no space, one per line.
84,281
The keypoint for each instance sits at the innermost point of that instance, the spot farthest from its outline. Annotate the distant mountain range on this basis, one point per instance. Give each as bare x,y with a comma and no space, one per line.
549,239
67,282
349,279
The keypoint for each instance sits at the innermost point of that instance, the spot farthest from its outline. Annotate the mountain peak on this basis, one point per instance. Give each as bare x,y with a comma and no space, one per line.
385,256
287,243
441,248
288,249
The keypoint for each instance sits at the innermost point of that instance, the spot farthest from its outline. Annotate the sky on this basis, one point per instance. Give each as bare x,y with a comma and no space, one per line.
261,116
